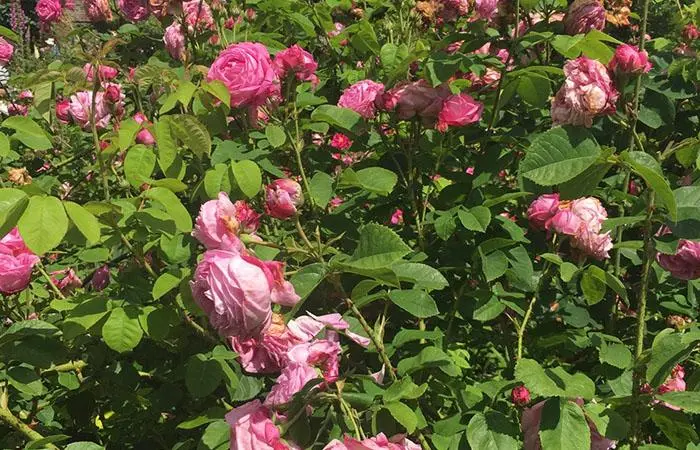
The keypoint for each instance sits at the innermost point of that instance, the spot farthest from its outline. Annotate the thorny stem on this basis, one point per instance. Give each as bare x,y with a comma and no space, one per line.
54,288
638,82
298,147
95,136
306,240
10,419
76,366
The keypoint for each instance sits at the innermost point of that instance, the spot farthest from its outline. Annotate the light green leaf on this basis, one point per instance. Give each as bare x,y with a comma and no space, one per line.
475,219
421,275
416,302
28,132
43,224
321,187
688,204
219,90
84,221
127,133
122,331
563,426
494,264
373,179
592,285
617,355
25,380
649,169
13,202
138,165
687,401
344,118
4,145
192,133
492,431
275,135
403,415
378,248
173,206
219,179
248,177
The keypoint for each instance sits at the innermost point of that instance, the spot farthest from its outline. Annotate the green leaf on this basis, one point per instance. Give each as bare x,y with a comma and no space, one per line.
219,90
202,375
13,202
676,426
84,445
688,203
248,177
403,415
122,331
492,431
421,275
416,302
219,179
558,155
668,349
173,206
494,265
43,224
405,388
167,145
25,380
584,183
344,118
306,279
373,179
534,89
427,358
553,382
167,281
445,226
607,421
192,133
127,133
592,286
475,219
648,168
4,145
365,39
84,221
321,187
216,437
28,132
567,271
687,401
617,355
275,135
563,426
378,248
139,164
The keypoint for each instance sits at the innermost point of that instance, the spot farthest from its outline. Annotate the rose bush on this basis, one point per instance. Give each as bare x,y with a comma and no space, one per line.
435,225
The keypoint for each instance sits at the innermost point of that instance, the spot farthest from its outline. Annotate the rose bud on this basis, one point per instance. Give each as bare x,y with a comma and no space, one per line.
113,93
542,209
629,60
283,196
520,396
63,110
100,279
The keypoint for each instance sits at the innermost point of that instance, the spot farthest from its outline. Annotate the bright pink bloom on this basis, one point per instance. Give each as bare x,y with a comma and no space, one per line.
81,106
397,217
378,442
48,11
6,51
674,383
144,136
629,60
98,10
565,222
174,40
341,142
685,264
283,197
335,202
542,210
586,93
295,60
253,429
459,110
416,98
63,111
469,170
520,395
198,15
220,221
361,97
68,282
16,263
293,378
246,70
584,16
106,73
134,10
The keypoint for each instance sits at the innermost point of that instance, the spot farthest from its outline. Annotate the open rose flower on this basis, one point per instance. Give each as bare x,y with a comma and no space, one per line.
63,111
174,40
246,70
361,97
416,98
378,442
584,16
16,263
592,243
253,429
221,220
98,10
6,51
629,60
80,108
48,11
459,110
134,10
485,9
542,210
283,197
198,15
685,264
295,60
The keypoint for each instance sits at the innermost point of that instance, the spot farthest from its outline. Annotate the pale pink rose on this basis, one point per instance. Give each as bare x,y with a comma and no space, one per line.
134,10
685,264
378,442
247,72
590,211
80,108
293,378
63,111
282,198
98,10
106,73
629,60
48,11
416,98
6,51
68,281
565,222
362,97
295,60
485,9
220,219
144,136
236,291
584,16
307,327
253,429
174,40
586,93
542,209
459,110
198,15
397,217
530,424
267,353
593,244
16,263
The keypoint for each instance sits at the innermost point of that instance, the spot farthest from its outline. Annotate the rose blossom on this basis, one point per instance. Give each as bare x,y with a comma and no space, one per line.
98,10
80,108
565,222
253,428
459,110
298,61
590,211
397,217
236,291
542,209
68,282
48,11
247,72
485,9
378,442
144,136
592,243
629,60
197,15
219,220
586,93
690,32
584,16
63,110
100,279
106,73
16,263
361,97
283,196
174,40
416,98
685,263
340,141
134,10
520,395
6,51
293,378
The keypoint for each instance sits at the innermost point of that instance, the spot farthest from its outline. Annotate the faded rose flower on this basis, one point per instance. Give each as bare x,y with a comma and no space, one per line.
283,197
520,395
565,222
485,9
134,10
295,60
378,442
690,32
685,263
48,11
542,209
174,40
361,97
161,8
416,98
593,244
16,263
586,93
590,211
19,176
6,52
68,281
198,15
584,16
220,221
459,110
629,60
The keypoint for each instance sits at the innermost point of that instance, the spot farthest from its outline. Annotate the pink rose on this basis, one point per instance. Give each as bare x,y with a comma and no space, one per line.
6,51
220,220
485,9
542,209
293,378
144,136
584,16
685,264
198,15
459,110
586,93
100,278
174,40
80,108
593,244
397,217
629,60
379,442
16,263
520,395
134,10
68,280
361,97
417,98
590,211
340,141
283,197
247,72
106,73
690,32
565,222
113,93
322,354
253,429
298,61
48,11
63,111
98,10
236,291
